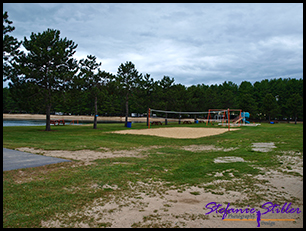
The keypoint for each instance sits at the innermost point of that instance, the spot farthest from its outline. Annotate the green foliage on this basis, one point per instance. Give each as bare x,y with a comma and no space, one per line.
128,80
93,80
261,102
270,106
45,71
10,47
295,105
8,103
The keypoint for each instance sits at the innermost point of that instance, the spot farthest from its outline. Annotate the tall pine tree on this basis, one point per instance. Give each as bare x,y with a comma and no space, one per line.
48,66
128,79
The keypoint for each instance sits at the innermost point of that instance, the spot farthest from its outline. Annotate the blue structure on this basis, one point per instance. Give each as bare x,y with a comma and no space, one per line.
245,115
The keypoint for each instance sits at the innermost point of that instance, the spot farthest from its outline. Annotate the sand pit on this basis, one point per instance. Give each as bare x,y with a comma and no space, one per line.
177,132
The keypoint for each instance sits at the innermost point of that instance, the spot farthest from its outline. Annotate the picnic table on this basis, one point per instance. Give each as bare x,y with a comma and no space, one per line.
57,121
156,123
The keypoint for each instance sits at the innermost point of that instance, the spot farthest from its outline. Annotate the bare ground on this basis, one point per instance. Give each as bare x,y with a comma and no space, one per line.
177,132
153,204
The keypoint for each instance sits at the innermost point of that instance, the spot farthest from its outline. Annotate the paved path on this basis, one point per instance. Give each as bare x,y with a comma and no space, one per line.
15,160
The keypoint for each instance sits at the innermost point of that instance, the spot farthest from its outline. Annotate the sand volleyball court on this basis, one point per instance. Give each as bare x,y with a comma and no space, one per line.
177,132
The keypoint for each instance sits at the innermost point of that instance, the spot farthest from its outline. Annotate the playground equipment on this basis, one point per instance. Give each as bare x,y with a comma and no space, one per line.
245,115
219,117
225,115
72,122
240,120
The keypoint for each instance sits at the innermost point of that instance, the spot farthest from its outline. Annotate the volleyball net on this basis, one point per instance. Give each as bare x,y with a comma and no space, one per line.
164,116
222,116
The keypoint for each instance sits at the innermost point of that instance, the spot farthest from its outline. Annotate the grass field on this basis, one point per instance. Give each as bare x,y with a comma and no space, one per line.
61,191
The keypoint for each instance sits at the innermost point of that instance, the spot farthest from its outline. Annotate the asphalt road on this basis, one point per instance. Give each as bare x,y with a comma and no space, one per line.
13,159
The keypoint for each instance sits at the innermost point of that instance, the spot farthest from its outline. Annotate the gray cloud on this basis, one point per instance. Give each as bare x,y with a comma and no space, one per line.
194,43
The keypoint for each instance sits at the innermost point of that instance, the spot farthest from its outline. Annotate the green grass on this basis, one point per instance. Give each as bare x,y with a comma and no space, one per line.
40,193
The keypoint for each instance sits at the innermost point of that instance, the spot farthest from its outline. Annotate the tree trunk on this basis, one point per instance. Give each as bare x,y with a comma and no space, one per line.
96,113
295,118
126,111
48,127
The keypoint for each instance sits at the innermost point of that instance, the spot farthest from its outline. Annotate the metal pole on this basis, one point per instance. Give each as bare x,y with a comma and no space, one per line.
208,117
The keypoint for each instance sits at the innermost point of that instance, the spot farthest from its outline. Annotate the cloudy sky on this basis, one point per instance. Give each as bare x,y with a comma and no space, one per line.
193,43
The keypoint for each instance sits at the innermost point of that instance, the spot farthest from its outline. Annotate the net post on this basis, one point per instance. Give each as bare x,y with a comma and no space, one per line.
147,117
228,119
208,117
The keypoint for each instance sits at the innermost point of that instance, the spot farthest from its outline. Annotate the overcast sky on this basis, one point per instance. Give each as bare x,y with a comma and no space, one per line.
194,43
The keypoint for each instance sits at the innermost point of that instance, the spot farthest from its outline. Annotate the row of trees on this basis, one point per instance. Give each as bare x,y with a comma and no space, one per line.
47,78
276,98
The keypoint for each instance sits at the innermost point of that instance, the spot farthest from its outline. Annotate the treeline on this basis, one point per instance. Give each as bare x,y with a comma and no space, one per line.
277,98
46,78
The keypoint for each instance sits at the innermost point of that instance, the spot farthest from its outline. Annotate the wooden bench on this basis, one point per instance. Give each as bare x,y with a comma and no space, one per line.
57,121
156,123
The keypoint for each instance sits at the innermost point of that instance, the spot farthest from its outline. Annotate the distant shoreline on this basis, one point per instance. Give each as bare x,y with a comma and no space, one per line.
80,118
89,119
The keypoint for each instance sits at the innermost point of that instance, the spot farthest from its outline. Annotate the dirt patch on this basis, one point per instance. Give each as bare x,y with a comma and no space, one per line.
200,148
228,159
89,155
146,207
177,132
153,205
263,147
291,162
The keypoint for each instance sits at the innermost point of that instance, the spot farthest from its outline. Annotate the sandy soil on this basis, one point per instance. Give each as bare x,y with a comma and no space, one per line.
177,132
68,118
149,206
153,204
80,118
88,156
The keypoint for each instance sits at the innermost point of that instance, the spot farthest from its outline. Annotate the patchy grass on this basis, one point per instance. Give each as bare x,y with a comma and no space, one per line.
34,194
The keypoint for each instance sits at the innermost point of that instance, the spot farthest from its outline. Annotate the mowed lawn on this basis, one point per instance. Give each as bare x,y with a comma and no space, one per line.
35,194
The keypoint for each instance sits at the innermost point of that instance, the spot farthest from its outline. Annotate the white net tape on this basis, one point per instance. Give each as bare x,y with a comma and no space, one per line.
184,112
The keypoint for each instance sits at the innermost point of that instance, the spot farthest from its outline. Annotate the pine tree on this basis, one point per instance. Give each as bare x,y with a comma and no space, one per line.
10,47
128,79
48,67
94,80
